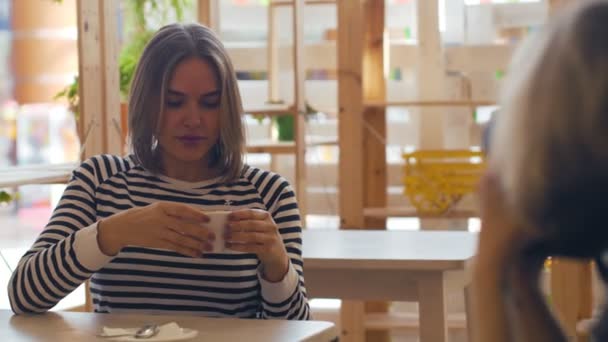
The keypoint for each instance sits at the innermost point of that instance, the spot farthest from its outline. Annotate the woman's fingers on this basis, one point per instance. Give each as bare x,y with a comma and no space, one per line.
248,214
249,226
183,211
184,240
195,230
170,245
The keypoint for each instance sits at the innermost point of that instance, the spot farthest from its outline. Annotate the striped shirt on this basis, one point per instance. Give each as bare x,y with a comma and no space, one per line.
148,280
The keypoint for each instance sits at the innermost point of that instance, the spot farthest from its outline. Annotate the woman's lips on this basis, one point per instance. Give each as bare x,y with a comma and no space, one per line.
190,139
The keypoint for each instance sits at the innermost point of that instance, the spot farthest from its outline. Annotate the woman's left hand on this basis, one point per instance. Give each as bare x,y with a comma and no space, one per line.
254,231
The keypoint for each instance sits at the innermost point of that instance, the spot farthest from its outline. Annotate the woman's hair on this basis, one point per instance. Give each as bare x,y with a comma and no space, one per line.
171,45
550,145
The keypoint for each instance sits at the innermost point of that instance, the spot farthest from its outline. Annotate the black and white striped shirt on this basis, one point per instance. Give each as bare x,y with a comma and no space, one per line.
150,280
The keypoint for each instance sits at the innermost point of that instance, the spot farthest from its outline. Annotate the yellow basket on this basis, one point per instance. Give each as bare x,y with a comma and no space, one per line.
435,180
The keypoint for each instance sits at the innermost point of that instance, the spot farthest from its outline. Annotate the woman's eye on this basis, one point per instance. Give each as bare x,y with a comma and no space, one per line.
211,104
174,104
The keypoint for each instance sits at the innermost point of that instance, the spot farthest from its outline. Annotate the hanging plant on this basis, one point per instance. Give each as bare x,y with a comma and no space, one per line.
137,16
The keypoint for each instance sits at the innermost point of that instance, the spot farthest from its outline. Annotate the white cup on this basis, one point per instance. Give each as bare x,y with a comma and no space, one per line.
217,224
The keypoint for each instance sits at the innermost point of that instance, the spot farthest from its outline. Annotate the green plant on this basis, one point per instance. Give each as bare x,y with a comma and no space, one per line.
5,197
70,93
285,124
138,15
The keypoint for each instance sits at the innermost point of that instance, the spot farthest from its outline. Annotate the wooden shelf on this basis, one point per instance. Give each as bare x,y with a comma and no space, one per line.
434,103
271,110
322,142
35,174
412,212
284,147
407,321
307,2
271,147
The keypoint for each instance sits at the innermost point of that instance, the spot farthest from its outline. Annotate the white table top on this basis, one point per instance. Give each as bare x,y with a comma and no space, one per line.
35,174
381,249
76,326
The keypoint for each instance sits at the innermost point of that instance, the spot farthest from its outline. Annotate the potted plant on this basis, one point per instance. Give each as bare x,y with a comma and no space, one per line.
284,124
138,31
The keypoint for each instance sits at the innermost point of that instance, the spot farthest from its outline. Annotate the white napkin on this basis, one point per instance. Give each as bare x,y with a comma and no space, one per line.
167,332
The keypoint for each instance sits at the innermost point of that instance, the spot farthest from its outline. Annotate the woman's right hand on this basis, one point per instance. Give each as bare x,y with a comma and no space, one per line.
166,225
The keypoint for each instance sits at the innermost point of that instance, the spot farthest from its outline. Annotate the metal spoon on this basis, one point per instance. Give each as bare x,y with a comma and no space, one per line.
146,331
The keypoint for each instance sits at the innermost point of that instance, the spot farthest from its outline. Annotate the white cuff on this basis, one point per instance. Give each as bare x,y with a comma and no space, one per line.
87,249
280,291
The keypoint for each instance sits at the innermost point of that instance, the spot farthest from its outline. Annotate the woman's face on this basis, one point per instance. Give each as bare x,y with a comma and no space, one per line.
190,119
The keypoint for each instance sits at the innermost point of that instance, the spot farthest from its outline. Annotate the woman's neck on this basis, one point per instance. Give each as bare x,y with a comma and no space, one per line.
195,171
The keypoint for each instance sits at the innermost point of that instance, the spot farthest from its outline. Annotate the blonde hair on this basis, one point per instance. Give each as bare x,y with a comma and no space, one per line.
550,145
167,48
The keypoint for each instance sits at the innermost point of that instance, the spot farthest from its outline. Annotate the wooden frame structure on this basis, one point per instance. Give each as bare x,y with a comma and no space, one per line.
361,99
99,90
208,14
361,102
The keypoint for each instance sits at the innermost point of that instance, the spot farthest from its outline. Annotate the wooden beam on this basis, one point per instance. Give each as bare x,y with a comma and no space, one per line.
430,73
430,103
98,76
208,14
273,71
98,82
350,132
374,89
272,66
350,103
374,134
299,71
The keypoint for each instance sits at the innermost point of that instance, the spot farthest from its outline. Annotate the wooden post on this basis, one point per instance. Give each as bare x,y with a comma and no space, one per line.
208,14
98,81
430,74
350,131
350,103
374,89
299,74
98,75
272,67
430,81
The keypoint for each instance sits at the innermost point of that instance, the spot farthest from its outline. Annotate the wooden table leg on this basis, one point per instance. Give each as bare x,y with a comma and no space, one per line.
352,321
467,311
432,308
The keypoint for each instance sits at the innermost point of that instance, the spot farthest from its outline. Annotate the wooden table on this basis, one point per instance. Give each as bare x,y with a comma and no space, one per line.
387,265
77,326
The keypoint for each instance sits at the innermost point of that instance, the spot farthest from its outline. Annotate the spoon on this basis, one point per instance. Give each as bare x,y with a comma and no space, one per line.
146,331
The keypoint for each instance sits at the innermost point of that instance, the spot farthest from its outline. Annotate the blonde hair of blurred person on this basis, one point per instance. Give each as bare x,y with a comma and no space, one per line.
545,192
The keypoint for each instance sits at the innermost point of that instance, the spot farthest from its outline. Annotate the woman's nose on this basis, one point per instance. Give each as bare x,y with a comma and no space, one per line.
193,118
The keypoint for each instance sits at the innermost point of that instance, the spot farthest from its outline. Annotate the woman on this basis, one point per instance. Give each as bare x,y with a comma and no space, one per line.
136,226
545,192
